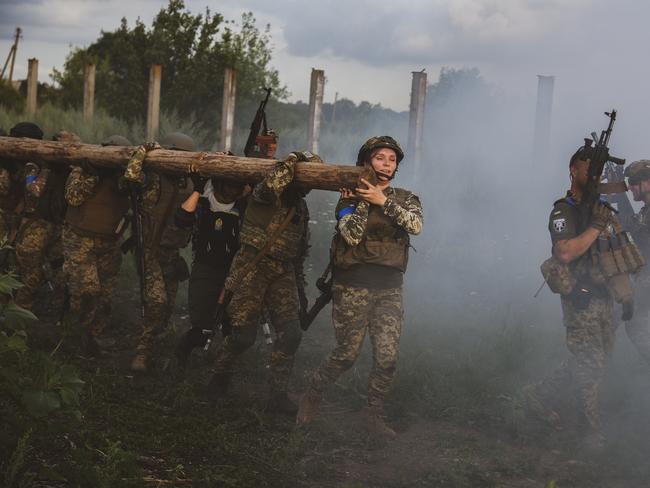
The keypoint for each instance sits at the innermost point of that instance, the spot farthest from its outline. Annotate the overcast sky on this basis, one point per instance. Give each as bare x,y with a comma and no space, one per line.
597,49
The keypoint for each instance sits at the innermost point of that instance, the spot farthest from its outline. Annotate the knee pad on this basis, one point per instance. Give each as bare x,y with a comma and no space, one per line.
290,337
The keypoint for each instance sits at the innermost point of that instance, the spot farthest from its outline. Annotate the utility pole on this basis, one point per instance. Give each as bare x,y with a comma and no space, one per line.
32,86
316,89
416,117
541,144
11,58
153,104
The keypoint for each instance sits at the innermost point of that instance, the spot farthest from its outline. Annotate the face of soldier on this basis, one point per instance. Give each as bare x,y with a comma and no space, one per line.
579,172
384,162
636,191
228,192
645,189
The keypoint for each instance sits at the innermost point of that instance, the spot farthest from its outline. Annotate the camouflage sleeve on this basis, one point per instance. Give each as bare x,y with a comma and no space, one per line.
407,216
151,191
270,188
5,181
352,218
79,186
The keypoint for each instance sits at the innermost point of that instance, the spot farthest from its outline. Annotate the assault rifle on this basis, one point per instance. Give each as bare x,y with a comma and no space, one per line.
599,156
137,237
324,284
258,122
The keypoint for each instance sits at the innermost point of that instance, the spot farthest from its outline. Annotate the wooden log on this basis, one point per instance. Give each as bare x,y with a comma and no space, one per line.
234,168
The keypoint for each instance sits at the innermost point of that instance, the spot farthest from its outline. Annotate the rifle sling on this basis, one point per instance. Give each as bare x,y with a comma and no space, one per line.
250,266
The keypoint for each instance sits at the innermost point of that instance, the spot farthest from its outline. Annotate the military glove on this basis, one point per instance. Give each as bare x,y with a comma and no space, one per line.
303,157
198,182
600,216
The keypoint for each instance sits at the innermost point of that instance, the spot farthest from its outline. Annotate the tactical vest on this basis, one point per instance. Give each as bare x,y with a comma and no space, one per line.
158,221
384,242
10,201
610,260
51,204
262,220
102,215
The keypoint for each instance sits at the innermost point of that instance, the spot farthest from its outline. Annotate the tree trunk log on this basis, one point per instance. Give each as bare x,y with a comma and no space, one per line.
235,168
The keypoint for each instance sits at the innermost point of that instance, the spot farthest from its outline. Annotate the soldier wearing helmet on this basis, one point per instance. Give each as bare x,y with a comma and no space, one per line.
38,241
638,329
94,222
369,257
165,268
276,220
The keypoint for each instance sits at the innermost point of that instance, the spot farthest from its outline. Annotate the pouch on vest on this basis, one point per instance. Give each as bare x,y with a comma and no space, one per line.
620,287
558,276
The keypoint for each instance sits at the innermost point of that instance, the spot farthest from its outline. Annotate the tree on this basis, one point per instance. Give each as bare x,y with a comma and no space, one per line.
194,51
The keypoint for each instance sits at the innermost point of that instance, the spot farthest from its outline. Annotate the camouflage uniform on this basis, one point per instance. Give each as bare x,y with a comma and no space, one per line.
164,267
38,242
367,294
90,245
273,281
638,329
163,263
10,196
587,313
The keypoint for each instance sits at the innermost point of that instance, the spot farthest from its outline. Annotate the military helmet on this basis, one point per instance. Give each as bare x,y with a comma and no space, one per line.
637,171
178,142
116,140
65,136
26,129
365,152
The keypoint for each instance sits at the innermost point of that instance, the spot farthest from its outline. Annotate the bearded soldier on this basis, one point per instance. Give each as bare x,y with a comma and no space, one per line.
38,242
581,272
164,267
638,329
94,222
276,226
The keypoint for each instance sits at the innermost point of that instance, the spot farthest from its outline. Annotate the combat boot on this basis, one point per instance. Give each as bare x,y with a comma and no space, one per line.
280,403
534,405
307,407
140,363
376,423
218,386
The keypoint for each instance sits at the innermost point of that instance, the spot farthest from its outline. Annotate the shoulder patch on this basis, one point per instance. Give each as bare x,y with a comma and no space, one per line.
559,225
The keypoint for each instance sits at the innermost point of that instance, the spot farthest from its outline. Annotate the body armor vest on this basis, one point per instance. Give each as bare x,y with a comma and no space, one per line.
10,201
384,243
158,221
102,215
51,205
262,220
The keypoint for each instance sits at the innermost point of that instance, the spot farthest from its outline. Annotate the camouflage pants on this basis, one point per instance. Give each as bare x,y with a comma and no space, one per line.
272,284
590,339
638,329
38,244
356,311
91,267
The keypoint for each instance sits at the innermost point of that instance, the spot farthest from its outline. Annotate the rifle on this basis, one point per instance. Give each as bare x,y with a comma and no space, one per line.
138,240
258,122
220,322
599,156
614,173
324,284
